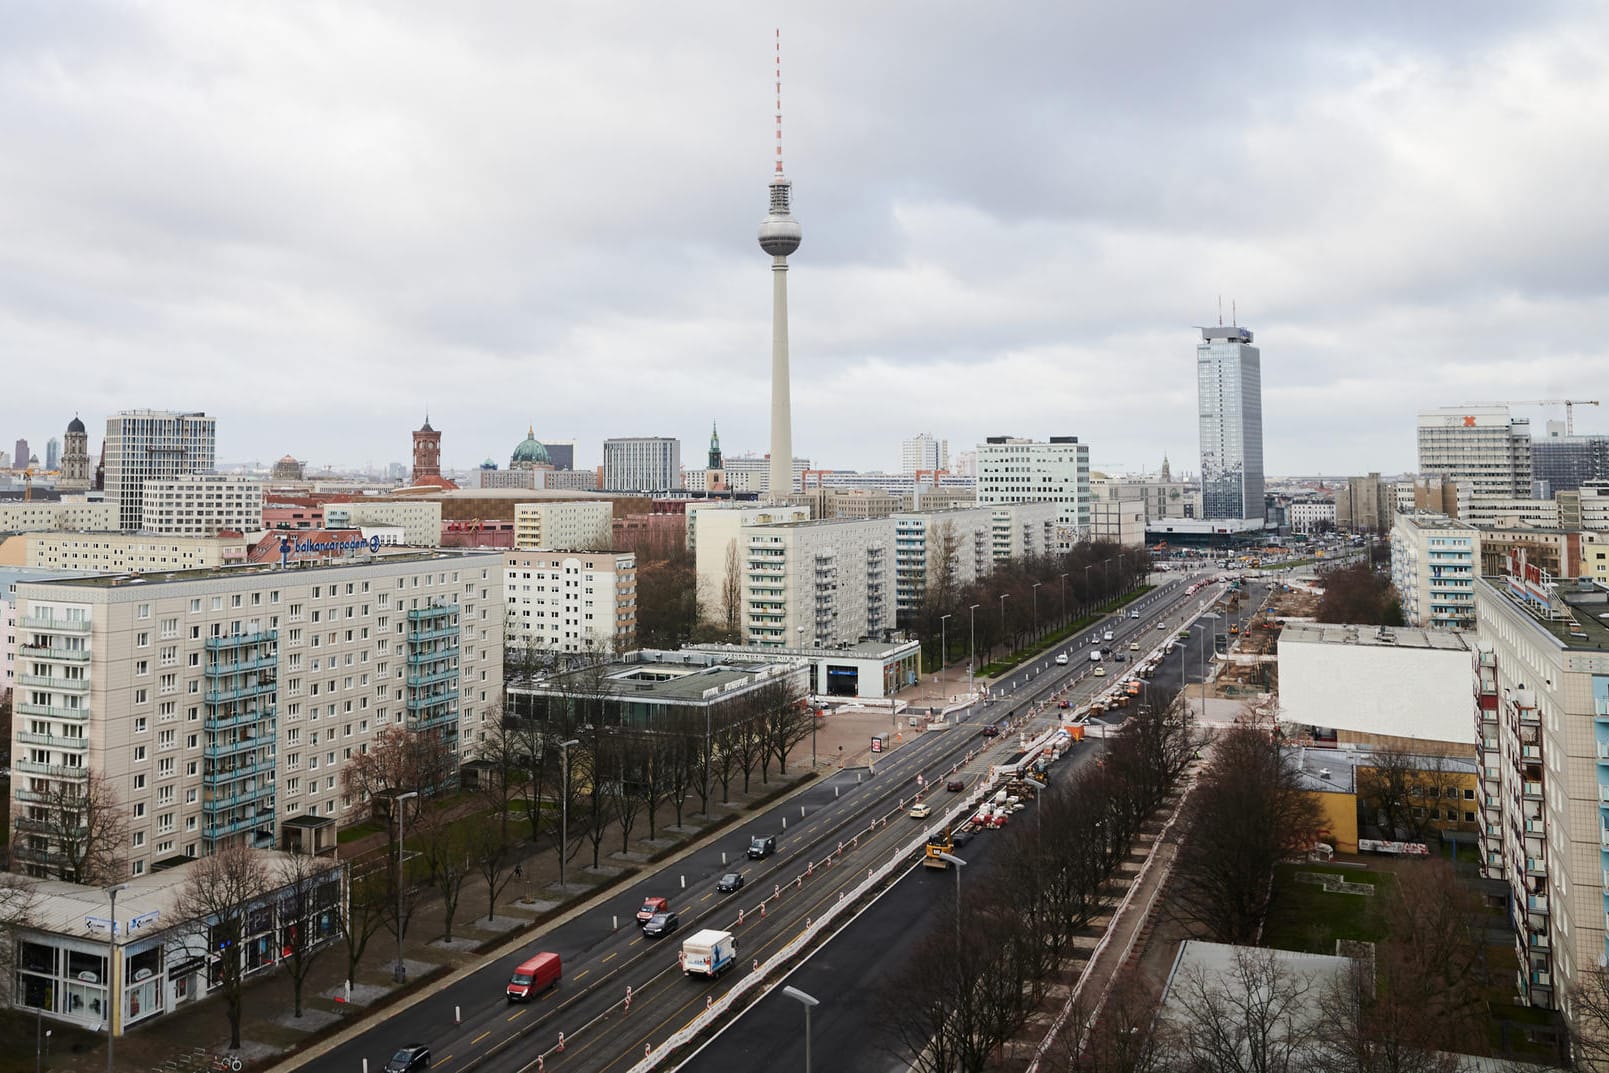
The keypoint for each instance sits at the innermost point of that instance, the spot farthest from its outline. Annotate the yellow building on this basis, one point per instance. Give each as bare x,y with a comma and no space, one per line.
1395,794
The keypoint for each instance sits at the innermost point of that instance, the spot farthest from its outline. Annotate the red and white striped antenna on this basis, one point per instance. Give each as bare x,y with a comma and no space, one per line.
779,100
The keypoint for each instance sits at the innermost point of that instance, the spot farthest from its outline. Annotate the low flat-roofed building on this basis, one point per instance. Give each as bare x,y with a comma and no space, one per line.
1442,789
61,514
1385,686
870,669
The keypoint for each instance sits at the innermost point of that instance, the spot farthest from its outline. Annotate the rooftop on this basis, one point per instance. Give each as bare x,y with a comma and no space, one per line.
213,573
1335,771
682,677
1325,633
1427,520
1575,610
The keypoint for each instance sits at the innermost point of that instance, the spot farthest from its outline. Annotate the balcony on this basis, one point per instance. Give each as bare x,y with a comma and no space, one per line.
434,655
222,750
1536,903
55,682
221,802
238,719
247,692
1541,979
241,640
1530,716
70,655
419,681
241,771
1536,866
224,830
430,700
1536,826
27,737
419,637
1534,789
240,666
57,625
1531,752
55,771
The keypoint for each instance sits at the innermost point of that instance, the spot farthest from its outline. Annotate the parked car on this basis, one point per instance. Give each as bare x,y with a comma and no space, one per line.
413,1057
762,846
661,924
651,906
730,882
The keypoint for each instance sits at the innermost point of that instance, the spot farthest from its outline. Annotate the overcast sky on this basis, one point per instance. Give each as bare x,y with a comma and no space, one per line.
316,221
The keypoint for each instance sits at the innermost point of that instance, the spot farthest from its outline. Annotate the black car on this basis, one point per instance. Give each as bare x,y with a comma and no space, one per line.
412,1057
661,924
955,786
762,846
991,731
730,882
961,836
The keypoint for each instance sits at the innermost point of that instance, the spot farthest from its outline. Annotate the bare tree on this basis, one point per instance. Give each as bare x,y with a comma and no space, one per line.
1258,1017
400,761
1432,964
1364,1030
19,902
631,766
493,855
222,894
72,829
732,592
503,763
1248,813
1589,1020
369,897
309,914
1124,1038
1400,794
446,853
786,719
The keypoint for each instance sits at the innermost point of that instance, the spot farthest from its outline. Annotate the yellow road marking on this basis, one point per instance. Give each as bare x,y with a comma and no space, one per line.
609,957
635,941
478,1038
582,973
516,1014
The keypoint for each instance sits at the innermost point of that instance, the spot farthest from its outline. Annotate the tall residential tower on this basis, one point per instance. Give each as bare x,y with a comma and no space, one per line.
1229,378
779,236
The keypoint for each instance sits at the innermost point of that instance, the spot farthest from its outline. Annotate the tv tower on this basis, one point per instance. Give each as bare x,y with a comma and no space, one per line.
780,236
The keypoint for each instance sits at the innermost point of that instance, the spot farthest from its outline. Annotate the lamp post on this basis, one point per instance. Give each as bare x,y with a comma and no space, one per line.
944,648
1003,598
564,805
972,657
958,864
1036,607
1106,564
806,1001
1063,599
112,1000
399,971
1087,569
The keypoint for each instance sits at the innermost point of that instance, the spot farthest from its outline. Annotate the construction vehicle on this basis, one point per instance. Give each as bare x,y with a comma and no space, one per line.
940,843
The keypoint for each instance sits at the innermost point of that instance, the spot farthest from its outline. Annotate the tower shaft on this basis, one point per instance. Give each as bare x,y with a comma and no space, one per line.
781,403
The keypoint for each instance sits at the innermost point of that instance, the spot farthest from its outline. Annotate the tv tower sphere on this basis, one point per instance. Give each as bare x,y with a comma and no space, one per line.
779,231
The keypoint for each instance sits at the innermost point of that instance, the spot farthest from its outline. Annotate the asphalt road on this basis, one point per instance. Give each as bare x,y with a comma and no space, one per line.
604,952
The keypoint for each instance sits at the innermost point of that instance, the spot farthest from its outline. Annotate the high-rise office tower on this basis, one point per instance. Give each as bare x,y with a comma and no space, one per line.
20,455
52,454
141,444
1478,447
642,464
1567,462
924,452
779,236
1229,379
1012,470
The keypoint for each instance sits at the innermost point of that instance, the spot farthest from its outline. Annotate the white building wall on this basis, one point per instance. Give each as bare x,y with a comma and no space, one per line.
1026,471
918,538
420,521
578,525
135,553
77,514
714,533
1434,563
559,601
818,583
202,504
642,464
142,445
1404,691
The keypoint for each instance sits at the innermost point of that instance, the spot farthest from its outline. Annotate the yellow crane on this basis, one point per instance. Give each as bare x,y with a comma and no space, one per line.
1568,404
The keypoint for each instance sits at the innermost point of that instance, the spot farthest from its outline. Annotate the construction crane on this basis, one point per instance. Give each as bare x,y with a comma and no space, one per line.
1568,404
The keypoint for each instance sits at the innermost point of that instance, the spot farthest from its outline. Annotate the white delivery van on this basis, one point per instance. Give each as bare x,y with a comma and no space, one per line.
1094,655
708,953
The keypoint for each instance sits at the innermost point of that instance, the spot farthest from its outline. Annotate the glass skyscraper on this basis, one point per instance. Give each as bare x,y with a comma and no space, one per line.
1229,378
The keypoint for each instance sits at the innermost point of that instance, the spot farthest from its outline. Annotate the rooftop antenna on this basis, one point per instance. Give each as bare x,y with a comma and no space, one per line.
1234,317
779,100
1220,311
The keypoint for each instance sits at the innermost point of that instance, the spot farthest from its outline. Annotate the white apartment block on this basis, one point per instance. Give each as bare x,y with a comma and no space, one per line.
1542,733
924,452
744,473
1594,506
128,553
1163,499
817,583
570,601
202,504
1595,556
577,524
642,464
1025,471
1121,521
142,445
77,514
1026,530
221,706
419,520
715,536
1480,446
1510,513
1434,563
921,539
1311,515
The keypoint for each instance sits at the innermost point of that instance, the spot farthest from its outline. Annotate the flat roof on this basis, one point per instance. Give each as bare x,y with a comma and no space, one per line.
859,650
1329,633
1335,771
300,566
1586,628
685,676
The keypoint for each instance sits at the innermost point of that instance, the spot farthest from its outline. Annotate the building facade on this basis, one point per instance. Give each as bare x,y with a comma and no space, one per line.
570,601
820,583
1311,515
419,519
75,469
1568,462
1365,505
426,454
1480,447
144,445
126,553
1434,563
75,514
575,524
1056,471
1542,731
1229,381
924,453
949,547
219,707
642,464
202,504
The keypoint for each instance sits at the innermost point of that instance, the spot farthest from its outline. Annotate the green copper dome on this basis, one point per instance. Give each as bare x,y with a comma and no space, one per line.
530,452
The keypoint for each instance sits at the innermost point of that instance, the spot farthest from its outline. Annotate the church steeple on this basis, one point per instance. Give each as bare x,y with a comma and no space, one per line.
1167,474
715,448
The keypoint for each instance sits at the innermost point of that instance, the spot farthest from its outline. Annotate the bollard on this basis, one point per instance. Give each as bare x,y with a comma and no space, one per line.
868,873
810,868
647,1049
801,812
614,923
798,884
540,1065
740,918
857,778
776,890
723,857
709,1001
365,1065
684,882
784,823
762,910
756,964
840,849
458,1015
834,793
561,1042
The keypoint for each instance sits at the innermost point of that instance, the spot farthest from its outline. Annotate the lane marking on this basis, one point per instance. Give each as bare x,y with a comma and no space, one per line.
516,1015
609,957
582,973
478,1038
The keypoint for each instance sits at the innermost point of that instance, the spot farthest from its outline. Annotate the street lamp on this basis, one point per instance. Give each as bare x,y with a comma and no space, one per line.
112,1000
1003,598
944,649
1036,607
564,805
399,972
958,864
972,657
1063,599
806,1001
1087,569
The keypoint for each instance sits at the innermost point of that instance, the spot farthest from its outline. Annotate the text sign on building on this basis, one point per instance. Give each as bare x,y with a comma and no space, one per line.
290,545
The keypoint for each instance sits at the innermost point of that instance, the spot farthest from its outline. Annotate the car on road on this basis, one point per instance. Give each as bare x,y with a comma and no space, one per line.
921,810
1061,659
650,908
991,731
1107,635
661,924
1134,646
762,846
1120,658
1100,672
960,836
413,1057
1161,625
955,786
729,883
1134,614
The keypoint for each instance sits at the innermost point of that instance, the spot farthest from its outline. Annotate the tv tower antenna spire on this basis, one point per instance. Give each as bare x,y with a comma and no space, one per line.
779,236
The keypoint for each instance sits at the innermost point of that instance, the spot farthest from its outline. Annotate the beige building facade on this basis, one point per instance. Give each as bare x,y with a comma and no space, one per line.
419,520
570,601
202,504
563,524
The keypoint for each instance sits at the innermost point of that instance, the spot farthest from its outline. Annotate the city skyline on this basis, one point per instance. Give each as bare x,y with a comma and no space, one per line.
183,202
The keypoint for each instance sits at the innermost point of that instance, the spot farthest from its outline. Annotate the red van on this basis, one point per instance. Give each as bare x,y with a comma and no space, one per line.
533,977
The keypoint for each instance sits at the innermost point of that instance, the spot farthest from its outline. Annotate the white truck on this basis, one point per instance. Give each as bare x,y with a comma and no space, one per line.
709,953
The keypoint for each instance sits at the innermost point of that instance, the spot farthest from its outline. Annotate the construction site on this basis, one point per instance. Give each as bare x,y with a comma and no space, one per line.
1247,663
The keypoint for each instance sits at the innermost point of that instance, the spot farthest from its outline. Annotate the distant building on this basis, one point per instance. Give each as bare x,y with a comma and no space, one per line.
561,453
642,464
1365,505
125,553
746,474
570,601
427,458
1229,383
1056,471
924,453
145,444
930,545
574,524
1491,513
75,471
1434,563
202,504
58,515
419,519
53,454
1478,446
1568,462
21,453
287,469
1311,515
